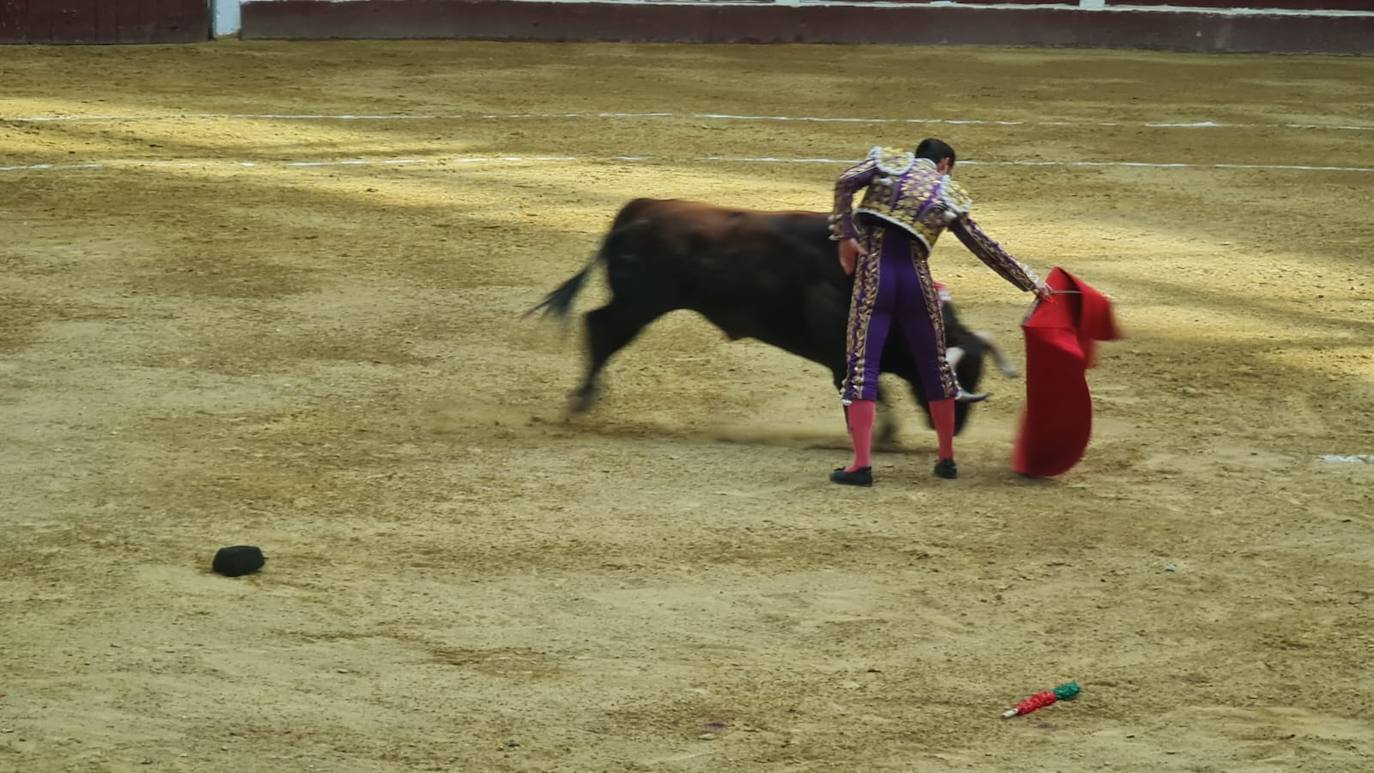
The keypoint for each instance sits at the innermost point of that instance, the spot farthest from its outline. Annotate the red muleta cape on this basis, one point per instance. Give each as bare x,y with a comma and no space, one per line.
1060,335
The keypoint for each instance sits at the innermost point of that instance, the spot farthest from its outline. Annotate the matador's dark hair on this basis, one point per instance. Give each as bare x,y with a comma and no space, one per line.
936,150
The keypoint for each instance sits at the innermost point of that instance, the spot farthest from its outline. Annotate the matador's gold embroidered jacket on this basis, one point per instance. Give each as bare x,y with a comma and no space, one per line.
910,193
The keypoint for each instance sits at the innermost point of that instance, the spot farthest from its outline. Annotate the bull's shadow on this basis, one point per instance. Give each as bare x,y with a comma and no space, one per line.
772,276
733,434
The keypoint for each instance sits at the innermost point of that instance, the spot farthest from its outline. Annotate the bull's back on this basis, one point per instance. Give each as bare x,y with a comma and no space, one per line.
770,275
702,242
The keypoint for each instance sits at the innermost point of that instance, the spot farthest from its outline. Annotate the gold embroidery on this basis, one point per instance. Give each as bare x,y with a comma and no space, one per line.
866,278
892,161
920,200
937,322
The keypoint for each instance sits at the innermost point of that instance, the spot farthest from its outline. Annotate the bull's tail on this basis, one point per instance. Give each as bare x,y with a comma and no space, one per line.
559,302
625,228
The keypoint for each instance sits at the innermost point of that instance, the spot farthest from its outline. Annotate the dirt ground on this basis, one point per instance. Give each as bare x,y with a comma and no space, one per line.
204,342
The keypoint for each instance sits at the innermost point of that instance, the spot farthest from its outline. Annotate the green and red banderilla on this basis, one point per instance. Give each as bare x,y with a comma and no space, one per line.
1064,692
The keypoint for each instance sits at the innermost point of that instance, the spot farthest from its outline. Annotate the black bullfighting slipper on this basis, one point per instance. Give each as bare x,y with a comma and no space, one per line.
860,477
946,469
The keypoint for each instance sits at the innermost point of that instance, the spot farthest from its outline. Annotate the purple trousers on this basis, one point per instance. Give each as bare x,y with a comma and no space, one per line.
892,284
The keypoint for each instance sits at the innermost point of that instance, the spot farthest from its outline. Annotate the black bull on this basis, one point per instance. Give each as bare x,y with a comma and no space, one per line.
773,276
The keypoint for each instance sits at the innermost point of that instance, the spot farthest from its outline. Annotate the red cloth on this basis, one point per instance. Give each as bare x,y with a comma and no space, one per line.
1060,340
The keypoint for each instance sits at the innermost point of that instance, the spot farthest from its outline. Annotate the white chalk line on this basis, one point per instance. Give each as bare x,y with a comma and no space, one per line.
1346,458
1206,124
536,159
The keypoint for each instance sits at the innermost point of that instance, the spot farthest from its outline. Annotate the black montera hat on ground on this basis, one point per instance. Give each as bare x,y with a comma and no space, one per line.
238,560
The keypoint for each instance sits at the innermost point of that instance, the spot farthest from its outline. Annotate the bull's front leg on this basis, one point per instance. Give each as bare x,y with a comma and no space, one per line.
886,436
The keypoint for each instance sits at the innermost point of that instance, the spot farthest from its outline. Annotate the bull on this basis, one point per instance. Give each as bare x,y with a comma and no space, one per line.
771,276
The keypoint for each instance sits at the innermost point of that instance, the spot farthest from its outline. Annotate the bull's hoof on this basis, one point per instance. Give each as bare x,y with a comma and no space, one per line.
945,468
860,477
582,400
887,435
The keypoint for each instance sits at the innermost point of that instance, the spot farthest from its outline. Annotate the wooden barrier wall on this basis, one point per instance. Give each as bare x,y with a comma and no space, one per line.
1288,26
104,21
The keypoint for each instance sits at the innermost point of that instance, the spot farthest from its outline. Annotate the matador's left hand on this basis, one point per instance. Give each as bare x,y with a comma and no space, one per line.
850,252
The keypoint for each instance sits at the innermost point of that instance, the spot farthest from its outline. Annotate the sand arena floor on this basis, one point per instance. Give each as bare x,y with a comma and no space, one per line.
212,333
